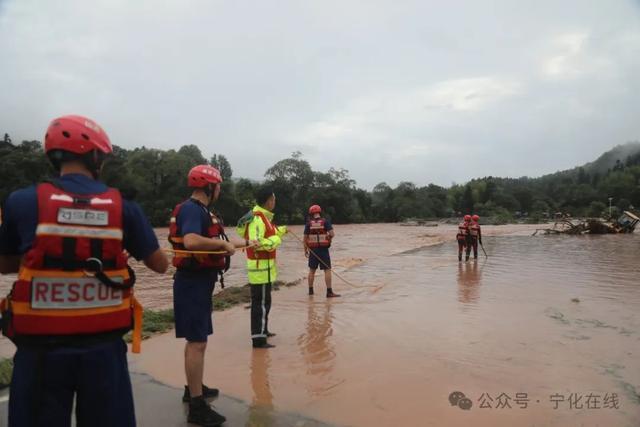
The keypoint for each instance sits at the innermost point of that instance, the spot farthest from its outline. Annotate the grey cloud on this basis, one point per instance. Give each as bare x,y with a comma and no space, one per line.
391,91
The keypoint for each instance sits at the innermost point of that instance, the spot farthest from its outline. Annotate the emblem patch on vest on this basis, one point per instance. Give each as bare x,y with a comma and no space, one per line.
82,216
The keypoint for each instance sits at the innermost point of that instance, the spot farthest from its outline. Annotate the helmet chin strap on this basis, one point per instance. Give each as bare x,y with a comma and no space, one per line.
93,161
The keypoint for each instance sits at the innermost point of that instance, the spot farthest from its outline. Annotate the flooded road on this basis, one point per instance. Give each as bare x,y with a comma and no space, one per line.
544,332
544,322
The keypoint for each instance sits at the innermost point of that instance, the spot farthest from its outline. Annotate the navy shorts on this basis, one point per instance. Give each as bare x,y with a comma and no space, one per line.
192,305
44,383
323,254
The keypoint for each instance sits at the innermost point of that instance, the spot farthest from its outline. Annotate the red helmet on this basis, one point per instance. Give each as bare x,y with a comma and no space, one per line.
467,217
202,175
315,209
476,218
76,134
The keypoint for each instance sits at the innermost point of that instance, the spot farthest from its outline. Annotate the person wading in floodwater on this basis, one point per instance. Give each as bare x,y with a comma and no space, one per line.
194,228
256,225
318,233
463,237
73,300
475,236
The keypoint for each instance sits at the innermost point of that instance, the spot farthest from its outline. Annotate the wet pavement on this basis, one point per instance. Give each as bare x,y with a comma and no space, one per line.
160,405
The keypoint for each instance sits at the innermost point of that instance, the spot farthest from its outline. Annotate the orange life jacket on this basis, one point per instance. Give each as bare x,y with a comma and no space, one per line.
182,259
270,230
463,230
75,279
474,229
318,236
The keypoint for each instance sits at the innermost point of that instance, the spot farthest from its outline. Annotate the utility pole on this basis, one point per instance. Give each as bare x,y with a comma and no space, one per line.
610,199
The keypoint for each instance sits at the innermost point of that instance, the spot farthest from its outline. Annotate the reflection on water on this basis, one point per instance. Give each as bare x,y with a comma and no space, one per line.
317,347
261,409
468,281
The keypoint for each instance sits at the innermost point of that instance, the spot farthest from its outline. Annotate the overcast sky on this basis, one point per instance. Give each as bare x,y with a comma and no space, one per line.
390,90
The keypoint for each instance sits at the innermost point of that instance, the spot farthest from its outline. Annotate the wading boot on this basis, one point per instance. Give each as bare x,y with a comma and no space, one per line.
466,258
261,343
330,294
459,257
200,413
207,393
310,291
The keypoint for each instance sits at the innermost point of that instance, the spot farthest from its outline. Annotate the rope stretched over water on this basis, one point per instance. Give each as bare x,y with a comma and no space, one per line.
329,268
182,251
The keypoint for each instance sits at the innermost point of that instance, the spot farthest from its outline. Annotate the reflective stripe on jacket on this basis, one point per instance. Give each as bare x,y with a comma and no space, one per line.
261,261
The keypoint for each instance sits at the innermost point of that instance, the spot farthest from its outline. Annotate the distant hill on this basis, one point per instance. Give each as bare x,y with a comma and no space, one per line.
608,160
623,154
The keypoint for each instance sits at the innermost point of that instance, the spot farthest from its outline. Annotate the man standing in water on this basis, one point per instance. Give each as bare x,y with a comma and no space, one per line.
256,226
318,233
475,236
193,228
73,300
463,237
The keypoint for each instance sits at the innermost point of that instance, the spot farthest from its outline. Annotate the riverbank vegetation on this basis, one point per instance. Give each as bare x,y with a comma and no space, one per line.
156,180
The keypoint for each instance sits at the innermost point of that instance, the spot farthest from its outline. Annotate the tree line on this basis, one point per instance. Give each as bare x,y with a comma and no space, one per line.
156,179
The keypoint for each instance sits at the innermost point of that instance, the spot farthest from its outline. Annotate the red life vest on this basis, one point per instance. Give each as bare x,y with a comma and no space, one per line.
463,230
182,259
318,236
474,229
62,283
270,230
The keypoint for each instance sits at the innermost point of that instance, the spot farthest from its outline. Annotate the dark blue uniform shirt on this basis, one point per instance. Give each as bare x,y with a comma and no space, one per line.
193,290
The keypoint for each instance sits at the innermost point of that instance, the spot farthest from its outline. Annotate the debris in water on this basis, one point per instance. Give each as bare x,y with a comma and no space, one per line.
626,223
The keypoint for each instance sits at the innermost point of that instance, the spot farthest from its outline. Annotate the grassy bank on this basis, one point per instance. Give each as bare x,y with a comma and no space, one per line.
6,367
159,321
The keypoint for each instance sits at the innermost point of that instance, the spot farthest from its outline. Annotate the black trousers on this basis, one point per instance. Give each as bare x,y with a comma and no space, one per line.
260,307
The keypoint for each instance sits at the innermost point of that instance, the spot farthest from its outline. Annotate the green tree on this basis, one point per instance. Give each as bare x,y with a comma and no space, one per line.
221,163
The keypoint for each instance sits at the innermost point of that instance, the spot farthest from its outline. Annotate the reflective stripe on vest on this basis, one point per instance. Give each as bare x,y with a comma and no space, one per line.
49,298
318,237
195,261
463,231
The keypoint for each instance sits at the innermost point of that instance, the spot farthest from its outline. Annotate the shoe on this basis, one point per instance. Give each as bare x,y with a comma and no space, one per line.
330,294
466,258
271,334
200,413
263,345
459,257
207,393
310,291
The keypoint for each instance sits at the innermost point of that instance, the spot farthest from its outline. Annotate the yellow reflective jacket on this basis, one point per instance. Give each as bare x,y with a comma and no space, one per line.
261,261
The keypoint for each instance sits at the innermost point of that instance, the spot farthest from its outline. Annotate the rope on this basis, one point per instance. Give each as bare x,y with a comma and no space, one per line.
181,251
323,263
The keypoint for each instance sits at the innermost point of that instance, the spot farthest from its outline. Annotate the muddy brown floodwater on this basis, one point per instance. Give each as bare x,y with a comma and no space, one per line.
544,332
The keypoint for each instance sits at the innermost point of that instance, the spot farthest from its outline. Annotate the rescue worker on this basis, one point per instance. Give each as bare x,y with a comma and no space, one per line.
318,233
193,227
475,236
463,237
257,226
73,298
